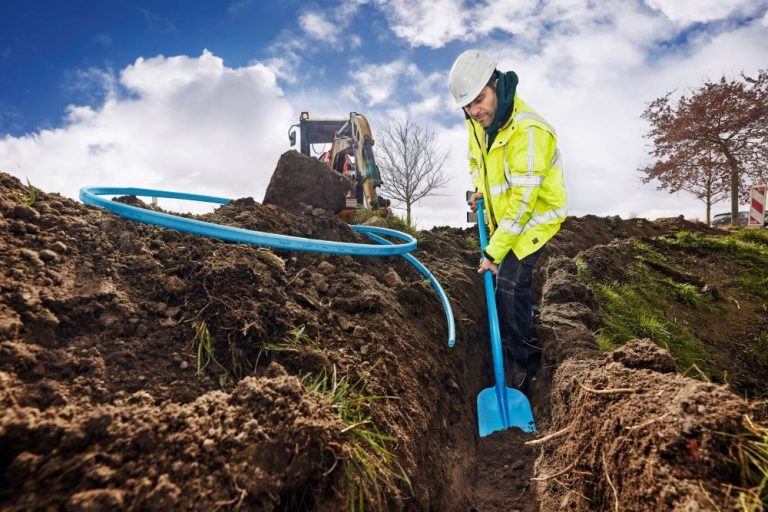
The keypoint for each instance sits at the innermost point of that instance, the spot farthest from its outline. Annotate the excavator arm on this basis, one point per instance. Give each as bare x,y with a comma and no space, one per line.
362,144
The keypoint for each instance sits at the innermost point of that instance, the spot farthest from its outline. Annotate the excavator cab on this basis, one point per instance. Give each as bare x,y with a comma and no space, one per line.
350,154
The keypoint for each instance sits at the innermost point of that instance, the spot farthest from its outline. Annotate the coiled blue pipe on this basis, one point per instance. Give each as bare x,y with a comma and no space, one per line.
90,195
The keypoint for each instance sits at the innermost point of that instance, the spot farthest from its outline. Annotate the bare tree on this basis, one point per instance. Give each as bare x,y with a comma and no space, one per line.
712,141
411,164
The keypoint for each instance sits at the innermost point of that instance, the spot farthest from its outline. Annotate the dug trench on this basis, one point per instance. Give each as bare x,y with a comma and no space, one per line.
146,369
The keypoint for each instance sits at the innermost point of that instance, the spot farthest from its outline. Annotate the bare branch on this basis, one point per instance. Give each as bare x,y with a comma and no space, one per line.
412,166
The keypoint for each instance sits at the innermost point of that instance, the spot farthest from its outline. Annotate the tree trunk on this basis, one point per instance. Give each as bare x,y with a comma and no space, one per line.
733,165
734,197
408,214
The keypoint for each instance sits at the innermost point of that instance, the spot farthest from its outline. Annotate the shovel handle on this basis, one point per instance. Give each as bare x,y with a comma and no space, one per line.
493,320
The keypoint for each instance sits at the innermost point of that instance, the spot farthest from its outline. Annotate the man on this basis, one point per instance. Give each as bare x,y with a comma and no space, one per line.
516,167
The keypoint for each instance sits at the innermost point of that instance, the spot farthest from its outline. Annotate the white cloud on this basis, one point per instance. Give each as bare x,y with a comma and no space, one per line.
191,124
702,10
287,59
318,26
426,22
435,23
378,82
589,67
321,32
592,82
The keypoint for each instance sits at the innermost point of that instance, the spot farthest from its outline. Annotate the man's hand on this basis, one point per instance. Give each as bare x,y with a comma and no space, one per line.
473,200
486,264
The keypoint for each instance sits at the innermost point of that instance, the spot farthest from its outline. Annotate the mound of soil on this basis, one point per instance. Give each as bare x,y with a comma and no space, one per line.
142,368
103,320
626,432
288,186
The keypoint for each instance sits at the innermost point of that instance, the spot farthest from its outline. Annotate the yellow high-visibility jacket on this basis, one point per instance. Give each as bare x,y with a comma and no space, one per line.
521,178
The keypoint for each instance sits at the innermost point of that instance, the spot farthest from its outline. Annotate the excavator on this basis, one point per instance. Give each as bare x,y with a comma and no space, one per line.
350,154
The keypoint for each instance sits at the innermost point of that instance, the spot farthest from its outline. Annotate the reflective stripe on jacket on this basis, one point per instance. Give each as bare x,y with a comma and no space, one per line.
521,178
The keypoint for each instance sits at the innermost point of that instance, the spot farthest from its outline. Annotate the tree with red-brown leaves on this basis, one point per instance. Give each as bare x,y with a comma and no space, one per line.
712,141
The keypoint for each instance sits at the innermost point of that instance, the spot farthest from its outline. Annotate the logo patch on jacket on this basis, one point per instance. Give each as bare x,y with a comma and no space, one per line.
535,240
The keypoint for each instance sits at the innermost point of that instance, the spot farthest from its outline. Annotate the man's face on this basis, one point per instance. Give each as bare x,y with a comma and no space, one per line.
483,108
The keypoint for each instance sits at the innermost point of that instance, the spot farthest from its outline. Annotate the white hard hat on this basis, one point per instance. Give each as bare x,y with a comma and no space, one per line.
469,75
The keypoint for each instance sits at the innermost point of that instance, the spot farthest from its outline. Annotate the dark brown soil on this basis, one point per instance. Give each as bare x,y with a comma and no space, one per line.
107,403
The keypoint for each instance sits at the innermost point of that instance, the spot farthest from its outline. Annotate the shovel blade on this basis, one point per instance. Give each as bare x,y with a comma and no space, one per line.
491,418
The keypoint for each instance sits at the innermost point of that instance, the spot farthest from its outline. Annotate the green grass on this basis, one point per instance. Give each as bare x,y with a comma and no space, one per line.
202,344
640,306
294,340
757,284
746,246
371,469
30,195
684,293
582,269
393,221
753,235
638,309
629,312
750,453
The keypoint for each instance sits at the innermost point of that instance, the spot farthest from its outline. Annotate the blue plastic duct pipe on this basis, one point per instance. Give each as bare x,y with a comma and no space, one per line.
90,195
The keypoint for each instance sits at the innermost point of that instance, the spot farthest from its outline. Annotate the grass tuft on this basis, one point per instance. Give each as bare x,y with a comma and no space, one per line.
30,195
582,269
371,469
202,344
393,221
750,453
685,293
755,236
294,340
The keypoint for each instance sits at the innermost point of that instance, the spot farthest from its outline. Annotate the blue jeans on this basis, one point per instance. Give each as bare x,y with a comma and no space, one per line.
514,297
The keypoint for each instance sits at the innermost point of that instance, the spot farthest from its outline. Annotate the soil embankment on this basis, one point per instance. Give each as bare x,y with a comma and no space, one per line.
142,368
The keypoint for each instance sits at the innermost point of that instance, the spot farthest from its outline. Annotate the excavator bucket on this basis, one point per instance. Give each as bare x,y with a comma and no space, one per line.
499,407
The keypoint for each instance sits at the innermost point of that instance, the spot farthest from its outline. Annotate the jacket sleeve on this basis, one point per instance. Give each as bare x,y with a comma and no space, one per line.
525,172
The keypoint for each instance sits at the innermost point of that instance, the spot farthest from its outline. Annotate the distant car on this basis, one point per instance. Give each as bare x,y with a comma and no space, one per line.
724,219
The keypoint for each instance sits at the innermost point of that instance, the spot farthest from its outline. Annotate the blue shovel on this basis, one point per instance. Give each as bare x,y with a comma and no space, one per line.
499,407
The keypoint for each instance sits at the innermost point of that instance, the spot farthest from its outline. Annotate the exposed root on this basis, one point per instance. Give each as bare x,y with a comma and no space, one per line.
234,502
611,391
296,276
700,372
563,471
613,488
555,475
709,498
568,489
646,423
554,435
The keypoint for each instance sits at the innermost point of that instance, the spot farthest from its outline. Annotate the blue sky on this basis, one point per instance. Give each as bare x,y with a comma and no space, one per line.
198,95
